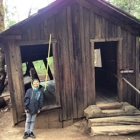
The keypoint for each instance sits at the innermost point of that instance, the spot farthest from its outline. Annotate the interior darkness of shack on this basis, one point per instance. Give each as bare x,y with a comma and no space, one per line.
32,53
105,81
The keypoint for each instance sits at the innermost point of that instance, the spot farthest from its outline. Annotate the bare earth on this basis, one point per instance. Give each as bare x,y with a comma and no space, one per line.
74,132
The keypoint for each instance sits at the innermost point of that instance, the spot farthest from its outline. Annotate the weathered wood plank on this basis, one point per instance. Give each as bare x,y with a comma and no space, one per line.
81,63
34,42
93,93
94,111
114,130
66,66
114,105
107,16
71,62
63,61
119,66
137,71
128,65
16,69
75,31
119,120
56,74
89,72
133,64
92,23
10,81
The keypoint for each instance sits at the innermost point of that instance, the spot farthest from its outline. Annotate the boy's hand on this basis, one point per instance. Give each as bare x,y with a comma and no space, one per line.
38,111
26,110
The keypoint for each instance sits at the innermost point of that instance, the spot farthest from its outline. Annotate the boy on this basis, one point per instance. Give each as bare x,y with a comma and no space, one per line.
33,103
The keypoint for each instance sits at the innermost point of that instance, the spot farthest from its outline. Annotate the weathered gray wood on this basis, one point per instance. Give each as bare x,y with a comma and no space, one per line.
137,71
104,14
120,120
114,130
92,68
75,31
56,75
114,105
34,42
70,52
93,111
82,97
10,81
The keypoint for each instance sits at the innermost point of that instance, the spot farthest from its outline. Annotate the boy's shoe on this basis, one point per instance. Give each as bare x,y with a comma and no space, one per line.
32,135
26,135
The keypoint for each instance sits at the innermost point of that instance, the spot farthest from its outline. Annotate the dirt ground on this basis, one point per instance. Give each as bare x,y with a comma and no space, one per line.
74,132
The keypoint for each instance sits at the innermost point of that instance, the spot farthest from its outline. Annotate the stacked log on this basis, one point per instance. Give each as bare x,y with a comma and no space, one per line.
112,119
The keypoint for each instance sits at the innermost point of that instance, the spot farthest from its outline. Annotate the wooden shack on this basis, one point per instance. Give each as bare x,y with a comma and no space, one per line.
78,28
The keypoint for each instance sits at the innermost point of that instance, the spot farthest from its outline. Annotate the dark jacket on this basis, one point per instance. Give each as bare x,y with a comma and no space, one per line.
33,101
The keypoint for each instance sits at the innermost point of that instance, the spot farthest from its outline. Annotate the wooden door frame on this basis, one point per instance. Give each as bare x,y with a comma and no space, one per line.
42,42
119,62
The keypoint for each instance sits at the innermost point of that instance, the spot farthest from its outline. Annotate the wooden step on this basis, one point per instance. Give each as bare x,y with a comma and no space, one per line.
118,112
110,121
106,106
93,111
114,130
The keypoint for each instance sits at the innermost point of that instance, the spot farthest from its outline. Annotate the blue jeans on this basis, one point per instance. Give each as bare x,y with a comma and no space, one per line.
30,122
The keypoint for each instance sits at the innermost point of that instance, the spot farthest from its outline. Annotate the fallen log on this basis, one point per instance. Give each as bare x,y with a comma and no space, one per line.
114,130
114,105
110,121
93,111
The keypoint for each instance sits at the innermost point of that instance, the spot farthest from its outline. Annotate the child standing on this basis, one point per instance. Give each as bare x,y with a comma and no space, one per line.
33,103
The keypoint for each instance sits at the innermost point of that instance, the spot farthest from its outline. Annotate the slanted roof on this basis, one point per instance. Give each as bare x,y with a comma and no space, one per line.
59,5
117,13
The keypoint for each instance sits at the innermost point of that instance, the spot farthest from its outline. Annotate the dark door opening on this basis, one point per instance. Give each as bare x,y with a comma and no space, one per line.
105,81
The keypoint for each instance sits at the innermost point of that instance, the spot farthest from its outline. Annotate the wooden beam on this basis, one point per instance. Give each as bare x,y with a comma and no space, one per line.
56,73
34,42
106,39
137,69
119,66
10,82
114,130
93,75
9,37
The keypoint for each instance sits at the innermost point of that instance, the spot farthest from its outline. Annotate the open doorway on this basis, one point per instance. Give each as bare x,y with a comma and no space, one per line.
105,80
34,65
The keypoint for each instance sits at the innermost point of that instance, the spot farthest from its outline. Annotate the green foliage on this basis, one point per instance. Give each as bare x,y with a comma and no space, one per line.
40,67
11,17
130,6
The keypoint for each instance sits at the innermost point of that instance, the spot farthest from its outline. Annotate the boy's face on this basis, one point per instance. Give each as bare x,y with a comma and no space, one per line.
35,84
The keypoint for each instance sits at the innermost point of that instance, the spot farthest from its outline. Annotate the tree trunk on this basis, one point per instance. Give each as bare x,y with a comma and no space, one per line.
2,59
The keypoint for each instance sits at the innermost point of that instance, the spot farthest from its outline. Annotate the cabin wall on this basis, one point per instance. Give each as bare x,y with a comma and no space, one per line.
60,28
95,26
